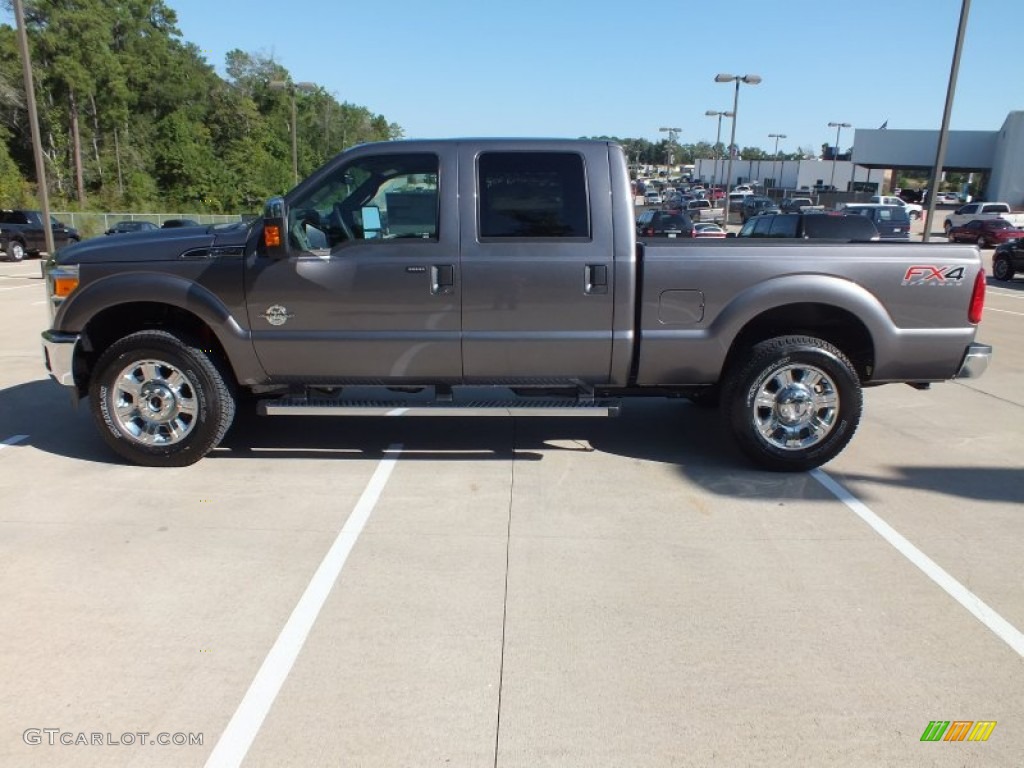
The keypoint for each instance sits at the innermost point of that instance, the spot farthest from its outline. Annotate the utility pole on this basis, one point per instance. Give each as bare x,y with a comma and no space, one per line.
33,118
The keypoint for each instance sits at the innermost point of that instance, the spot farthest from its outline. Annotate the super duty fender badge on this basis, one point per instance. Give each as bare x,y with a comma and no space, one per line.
929,274
277,315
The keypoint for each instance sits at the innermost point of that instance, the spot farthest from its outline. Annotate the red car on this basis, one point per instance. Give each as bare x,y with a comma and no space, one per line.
985,232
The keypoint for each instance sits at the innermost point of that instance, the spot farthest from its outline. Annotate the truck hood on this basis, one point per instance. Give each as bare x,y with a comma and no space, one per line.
159,245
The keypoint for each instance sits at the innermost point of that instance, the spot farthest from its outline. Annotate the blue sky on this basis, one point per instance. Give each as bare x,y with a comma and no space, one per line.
569,68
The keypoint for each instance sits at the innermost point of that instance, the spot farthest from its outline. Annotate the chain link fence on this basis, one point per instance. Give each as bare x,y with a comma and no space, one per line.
93,224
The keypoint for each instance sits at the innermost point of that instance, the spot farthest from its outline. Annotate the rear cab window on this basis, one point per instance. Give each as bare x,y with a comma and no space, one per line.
534,195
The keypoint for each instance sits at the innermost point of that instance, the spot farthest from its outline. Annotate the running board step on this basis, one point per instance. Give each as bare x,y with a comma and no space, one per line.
303,406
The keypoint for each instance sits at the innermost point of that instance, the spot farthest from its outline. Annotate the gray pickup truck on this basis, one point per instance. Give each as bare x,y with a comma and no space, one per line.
511,267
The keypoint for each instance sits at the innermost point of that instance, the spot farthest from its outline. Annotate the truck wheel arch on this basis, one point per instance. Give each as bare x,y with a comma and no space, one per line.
835,325
99,311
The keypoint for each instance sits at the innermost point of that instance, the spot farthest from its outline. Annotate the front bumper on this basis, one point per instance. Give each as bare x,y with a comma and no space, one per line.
975,361
59,355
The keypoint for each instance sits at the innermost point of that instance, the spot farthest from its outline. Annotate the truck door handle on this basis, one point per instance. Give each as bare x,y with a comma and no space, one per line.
596,279
442,278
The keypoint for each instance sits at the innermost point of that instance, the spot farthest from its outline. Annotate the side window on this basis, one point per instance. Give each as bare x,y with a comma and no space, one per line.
762,226
747,230
371,198
784,226
532,194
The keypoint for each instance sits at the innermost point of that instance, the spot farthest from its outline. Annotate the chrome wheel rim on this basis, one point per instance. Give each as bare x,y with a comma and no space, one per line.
796,408
154,403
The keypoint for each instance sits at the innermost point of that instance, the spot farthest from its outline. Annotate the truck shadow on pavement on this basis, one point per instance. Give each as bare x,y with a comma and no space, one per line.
672,432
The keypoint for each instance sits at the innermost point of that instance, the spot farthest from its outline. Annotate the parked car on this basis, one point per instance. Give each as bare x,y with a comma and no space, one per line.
810,226
165,335
653,197
708,230
736,200
22,233
966,213
122,227
798,205
985,232
1008,259
947,198
913,210
664,224
755,205
891,221
171,223
910,195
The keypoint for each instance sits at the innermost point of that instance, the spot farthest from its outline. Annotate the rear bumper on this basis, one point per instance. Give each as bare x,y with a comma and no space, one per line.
975,361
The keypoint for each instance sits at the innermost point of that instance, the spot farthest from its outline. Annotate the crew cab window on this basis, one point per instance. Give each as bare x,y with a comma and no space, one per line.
13,217
373,198
784,225
532,195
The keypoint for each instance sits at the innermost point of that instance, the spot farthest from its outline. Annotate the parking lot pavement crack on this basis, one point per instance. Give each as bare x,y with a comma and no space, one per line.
980,391
504,605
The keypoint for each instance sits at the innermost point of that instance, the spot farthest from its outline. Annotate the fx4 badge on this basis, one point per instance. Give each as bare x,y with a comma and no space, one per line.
928,274
277,315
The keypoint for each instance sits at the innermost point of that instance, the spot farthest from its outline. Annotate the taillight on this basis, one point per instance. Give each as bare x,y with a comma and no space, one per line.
649,232
977,299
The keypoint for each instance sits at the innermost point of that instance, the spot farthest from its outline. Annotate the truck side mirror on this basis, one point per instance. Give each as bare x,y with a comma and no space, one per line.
275,228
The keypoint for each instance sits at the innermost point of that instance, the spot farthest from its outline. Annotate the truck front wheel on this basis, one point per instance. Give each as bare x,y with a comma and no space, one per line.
15,251
793,404
159,401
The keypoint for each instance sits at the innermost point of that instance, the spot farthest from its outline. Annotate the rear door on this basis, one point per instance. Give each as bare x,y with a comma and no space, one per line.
537,263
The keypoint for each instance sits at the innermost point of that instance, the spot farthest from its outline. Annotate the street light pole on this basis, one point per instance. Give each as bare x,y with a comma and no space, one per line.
835,152
940,153
672,134
776,136
718,140
749,80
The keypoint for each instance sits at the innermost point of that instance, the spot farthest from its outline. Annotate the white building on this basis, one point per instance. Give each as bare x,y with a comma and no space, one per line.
789,174
998,155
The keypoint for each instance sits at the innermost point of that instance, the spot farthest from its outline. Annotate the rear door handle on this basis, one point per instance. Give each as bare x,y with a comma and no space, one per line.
442,279
596,279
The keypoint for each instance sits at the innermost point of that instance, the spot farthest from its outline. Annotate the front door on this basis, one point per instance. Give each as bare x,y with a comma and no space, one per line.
371,290
537,264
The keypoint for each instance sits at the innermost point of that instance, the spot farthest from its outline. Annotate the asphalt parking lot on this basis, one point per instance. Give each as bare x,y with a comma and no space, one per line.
524,593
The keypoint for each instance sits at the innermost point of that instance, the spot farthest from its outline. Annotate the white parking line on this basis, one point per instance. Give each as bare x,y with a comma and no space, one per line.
1007,293
1004,311
12,441
234,743
1003,629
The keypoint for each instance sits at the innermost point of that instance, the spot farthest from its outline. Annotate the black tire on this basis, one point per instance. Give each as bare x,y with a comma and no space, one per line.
178,389
1002,269
15,251
981,241
809,408
946,227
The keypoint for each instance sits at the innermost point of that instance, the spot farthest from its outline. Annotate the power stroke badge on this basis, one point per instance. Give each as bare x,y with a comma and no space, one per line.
277,315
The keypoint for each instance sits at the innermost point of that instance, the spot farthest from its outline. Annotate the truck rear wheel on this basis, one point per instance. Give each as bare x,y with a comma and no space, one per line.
793,404
159,401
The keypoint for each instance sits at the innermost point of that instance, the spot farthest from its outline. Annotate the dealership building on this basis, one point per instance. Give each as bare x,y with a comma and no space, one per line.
997,155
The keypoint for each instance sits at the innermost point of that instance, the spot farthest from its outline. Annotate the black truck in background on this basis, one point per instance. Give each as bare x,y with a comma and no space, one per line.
21,233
